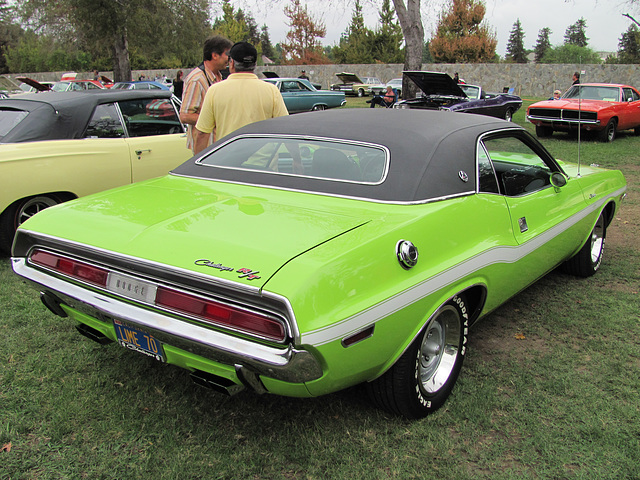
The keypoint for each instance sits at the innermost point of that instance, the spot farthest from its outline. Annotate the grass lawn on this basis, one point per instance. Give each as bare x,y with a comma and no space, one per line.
550,389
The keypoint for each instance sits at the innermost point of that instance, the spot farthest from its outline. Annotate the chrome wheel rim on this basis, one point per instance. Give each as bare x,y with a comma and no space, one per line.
439,349
597,240
33,206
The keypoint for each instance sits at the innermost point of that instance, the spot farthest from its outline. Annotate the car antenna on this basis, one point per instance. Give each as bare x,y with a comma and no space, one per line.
579,111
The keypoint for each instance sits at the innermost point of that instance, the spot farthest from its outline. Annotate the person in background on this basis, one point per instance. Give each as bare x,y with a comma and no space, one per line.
386,101
556,95
178,85
576,78
241,99
303,75
215,58
456,78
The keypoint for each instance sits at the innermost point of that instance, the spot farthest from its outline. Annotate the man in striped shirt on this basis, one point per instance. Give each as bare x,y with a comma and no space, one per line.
215,58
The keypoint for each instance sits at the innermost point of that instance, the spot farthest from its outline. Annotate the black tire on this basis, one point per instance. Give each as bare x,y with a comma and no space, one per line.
542,131
609,133
360,92
17,213
422,379
318,108
508,115
587,261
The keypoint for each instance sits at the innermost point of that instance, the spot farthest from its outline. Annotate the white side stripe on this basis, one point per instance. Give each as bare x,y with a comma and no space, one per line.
495,255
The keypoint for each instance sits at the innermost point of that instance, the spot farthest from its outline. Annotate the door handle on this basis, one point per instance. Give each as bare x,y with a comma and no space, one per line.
139,152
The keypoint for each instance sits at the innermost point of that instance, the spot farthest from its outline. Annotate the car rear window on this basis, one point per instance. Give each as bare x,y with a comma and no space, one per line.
9,118
313,158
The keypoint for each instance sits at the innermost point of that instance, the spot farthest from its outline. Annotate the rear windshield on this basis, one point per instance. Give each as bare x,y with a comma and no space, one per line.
313,158
9,118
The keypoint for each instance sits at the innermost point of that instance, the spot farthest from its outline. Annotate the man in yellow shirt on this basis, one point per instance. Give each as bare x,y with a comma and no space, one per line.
239,100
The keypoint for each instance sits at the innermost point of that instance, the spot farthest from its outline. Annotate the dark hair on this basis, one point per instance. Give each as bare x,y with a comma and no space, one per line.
179,75
577,75
216,44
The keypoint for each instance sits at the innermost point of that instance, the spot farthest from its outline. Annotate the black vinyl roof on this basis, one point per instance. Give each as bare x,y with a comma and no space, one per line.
428,150
63,115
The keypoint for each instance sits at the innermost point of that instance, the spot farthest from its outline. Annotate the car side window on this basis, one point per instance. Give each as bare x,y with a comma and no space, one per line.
146,117
519,169
630,95
105,123
487,181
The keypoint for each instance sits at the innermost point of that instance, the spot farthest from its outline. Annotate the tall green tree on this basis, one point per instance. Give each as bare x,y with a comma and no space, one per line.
357,42
629,46
576,34
542,44
462,35
515,46
231,25
10,33
118,28
388,38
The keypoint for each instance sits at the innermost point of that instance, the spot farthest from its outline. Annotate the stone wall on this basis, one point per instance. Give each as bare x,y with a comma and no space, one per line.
528,80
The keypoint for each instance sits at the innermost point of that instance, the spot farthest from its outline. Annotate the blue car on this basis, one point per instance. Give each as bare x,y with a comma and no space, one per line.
301,96
140,85
441,92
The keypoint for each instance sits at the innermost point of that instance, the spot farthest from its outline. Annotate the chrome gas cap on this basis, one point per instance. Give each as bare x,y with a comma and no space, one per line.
407,254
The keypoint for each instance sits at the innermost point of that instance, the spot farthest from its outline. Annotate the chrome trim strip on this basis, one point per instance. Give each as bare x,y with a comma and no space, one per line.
504,254
564,120
284,363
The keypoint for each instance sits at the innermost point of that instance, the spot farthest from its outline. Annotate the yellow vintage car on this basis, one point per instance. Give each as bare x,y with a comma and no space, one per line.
55,147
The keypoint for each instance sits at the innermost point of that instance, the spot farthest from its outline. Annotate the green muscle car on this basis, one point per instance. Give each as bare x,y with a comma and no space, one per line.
307,254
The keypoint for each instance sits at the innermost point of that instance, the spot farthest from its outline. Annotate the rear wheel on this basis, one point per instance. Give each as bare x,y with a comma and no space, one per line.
361,92
587,261
317,108
542,131
609,133
18,213
423,377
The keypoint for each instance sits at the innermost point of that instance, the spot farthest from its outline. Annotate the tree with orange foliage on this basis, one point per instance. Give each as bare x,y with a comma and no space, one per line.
302,45
462,35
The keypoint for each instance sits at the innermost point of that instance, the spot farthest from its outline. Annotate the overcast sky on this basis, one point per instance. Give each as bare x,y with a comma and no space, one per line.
605,23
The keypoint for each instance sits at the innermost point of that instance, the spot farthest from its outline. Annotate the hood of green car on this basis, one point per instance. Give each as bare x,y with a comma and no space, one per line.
204,226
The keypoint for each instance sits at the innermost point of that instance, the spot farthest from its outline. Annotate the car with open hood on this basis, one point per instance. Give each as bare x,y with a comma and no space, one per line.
58,146
352,84
306,254
441,92
300,95
600,108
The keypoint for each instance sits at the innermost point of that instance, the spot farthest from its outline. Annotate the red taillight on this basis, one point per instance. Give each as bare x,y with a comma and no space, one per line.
73,268
220,314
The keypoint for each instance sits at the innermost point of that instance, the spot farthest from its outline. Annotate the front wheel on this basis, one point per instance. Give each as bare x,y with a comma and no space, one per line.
508,115
542,131
423,377
318,108
18,213
609,133
587,261
360,92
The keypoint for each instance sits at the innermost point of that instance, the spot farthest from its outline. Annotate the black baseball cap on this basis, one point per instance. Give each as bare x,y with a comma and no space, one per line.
244,53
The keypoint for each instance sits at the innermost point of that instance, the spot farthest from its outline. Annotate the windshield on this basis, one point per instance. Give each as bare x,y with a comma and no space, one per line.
593,92
302,157
470,91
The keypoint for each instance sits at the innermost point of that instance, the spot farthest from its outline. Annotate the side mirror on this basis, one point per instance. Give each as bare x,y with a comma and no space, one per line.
558,180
